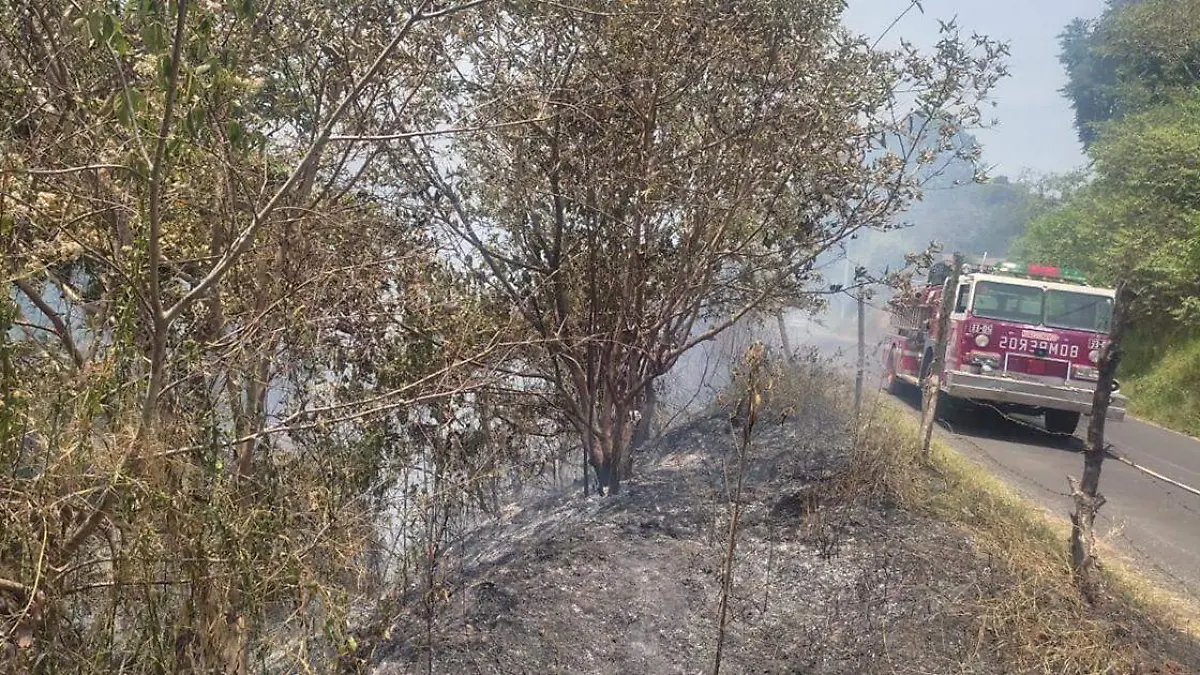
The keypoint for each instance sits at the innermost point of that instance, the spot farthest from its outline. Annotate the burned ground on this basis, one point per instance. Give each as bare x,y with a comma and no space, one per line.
827,578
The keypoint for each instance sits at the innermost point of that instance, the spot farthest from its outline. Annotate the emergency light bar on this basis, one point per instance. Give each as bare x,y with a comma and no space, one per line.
1030,271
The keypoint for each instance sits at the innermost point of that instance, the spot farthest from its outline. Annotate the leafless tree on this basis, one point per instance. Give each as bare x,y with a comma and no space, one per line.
1086,492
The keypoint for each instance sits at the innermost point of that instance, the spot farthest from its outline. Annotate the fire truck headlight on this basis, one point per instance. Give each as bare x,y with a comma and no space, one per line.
986,360
981,340
1094,355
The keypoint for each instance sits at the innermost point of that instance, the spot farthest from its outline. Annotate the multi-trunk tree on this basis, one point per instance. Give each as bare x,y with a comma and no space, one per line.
651,172
213,291
225,309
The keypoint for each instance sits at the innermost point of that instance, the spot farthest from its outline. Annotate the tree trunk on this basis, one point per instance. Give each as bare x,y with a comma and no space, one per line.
1086,493
586,471
600,456
608,480
617,448
862,358
626,468
783,337
929,398
614,476
644,428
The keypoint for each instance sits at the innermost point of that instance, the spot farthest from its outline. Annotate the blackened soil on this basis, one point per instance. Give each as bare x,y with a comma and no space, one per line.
823,581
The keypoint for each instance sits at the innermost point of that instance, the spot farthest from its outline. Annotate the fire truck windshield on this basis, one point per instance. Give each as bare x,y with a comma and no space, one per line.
1032,305
1078,311
1008,302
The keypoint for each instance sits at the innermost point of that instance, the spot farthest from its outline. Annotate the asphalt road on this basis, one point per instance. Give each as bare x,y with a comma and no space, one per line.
1155,524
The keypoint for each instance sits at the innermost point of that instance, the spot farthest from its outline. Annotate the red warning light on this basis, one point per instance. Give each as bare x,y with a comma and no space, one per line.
1043,271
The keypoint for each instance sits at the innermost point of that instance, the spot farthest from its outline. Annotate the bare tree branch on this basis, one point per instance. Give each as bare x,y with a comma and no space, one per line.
436,132
60,327
311,155
73,169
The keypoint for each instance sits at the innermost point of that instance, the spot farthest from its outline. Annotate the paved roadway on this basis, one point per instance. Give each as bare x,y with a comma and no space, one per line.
1154,523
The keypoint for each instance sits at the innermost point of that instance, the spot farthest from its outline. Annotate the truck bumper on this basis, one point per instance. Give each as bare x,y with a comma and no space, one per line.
1020,392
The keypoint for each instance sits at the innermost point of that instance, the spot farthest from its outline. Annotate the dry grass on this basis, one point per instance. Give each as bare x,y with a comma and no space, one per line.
1027,609
1035,617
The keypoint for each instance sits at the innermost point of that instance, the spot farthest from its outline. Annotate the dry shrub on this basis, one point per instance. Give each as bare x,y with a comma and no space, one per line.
802,385
187,561
195,568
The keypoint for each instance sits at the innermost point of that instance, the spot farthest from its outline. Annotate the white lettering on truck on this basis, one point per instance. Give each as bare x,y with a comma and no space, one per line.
1051,348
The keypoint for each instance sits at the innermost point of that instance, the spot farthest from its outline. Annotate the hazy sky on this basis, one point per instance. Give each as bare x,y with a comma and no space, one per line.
1035,128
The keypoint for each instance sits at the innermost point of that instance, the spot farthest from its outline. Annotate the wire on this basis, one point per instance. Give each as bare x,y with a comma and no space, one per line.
1108,450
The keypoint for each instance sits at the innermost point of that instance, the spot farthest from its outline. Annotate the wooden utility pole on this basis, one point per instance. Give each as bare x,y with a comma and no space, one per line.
845,284
1086,493
931,382
862,358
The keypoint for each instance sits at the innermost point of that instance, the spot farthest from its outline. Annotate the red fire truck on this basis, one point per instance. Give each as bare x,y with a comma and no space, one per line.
1022,338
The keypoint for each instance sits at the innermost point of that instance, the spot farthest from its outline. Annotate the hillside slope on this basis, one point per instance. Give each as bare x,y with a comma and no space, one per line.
831,575
1162,376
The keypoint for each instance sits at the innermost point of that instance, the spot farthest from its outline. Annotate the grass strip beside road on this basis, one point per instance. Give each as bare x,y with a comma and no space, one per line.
1161,381
1043,623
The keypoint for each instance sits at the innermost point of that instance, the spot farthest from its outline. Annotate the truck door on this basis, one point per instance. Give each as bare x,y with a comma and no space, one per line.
958,315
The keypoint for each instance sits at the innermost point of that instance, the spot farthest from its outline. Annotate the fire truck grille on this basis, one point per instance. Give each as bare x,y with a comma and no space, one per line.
1031,365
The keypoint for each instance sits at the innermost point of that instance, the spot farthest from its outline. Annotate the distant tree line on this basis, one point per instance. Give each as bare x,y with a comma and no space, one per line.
1133,76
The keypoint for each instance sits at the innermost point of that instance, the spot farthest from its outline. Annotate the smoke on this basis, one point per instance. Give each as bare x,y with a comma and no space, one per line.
695,385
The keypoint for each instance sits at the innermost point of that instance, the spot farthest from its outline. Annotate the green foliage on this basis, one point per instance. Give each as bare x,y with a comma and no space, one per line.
981,218
972,218
1162,378
1133,57
1091,78
1155,45
1139,219
960,208
1071,235
1133,77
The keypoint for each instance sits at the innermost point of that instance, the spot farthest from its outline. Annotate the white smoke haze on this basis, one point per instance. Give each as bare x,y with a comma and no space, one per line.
696,384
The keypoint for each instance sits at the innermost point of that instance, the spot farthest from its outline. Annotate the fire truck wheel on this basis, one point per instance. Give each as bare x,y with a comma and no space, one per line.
1062,421
926,364
895,386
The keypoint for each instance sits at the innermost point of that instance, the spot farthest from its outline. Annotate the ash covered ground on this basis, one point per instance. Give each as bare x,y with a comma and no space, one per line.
632,583
825,580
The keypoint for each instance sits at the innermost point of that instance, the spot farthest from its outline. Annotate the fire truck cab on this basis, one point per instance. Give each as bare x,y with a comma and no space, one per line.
1021,338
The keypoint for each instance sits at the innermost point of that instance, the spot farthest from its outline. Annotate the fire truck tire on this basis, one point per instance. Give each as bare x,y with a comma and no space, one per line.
926,364
895,386
1062,421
